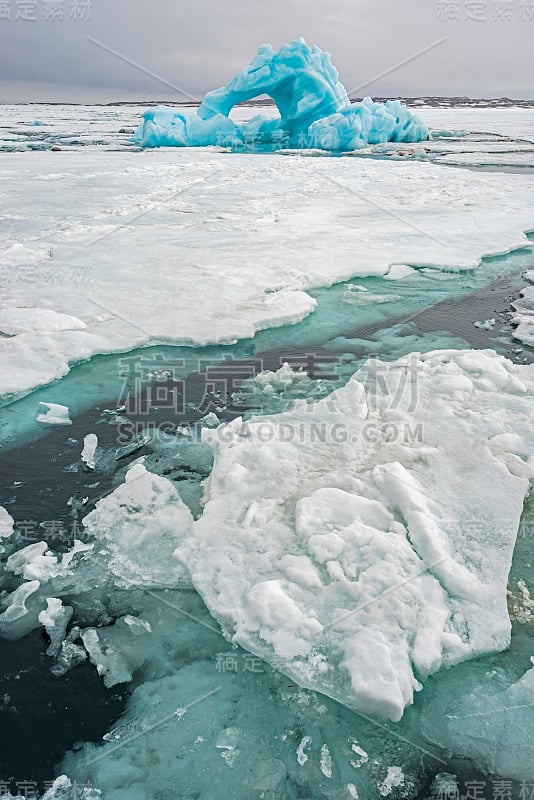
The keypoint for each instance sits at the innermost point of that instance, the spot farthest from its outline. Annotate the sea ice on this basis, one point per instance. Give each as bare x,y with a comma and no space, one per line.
140,524
55,619
14,321
512,159
315,110
486,325
90,443
486,717
270,228
6,526
363,542
245,726
523,316
55,415
17,600
394,778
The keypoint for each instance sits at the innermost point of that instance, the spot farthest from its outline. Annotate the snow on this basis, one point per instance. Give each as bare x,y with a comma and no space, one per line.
392,507
513,123
242,237
14,321
56,414
315,111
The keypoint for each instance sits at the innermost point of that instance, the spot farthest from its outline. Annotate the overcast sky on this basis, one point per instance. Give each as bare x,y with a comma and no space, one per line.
199,45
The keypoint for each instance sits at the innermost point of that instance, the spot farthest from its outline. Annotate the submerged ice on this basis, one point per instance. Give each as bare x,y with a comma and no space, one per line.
315,110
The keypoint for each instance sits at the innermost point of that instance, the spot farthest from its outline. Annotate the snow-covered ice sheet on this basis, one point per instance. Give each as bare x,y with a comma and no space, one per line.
514,123
66,128
363,542
132,247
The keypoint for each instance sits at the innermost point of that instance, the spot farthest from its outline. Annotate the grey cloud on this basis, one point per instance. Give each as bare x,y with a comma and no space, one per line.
200,45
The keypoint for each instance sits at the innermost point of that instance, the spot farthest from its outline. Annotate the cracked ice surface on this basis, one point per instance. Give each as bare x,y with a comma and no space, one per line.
135,245
362,558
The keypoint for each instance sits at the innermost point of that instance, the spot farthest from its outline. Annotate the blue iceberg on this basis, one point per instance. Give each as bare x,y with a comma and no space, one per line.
315,110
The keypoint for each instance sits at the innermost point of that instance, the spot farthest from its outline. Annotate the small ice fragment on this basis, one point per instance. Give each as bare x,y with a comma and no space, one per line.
137,625
18,562
56,415
227,742
326,761
55,619
211,420
302,757
137,443
399,271
394,778
6,526
70,654
90,443
364,758
487,325
60,788
109,663
17,607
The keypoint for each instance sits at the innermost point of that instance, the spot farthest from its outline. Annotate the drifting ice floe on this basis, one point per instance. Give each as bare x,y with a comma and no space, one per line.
55,414
90,443
315,110
363,542
140,524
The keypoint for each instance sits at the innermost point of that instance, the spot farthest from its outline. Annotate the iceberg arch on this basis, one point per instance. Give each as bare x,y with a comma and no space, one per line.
315,109
302,82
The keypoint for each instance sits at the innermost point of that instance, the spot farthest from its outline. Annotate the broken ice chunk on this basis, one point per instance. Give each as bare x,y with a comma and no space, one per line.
90,443
56,414
55,619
